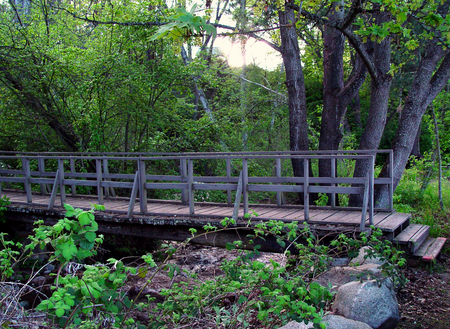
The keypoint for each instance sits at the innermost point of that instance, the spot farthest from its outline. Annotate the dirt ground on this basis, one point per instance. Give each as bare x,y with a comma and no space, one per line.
425,301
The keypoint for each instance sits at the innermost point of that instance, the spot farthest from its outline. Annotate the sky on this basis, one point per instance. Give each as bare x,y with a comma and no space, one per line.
256,52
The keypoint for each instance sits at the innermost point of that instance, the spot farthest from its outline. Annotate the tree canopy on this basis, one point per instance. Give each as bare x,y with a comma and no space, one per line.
146,76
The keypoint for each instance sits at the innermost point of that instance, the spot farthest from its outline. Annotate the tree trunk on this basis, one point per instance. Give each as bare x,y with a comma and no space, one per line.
298,126
429,80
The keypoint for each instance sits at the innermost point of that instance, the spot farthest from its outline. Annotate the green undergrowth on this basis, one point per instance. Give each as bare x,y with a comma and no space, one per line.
423,203
87,293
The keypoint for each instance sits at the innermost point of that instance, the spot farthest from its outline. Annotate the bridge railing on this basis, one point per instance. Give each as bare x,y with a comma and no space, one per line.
63,172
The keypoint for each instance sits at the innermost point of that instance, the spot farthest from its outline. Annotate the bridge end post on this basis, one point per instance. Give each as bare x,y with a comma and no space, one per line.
62,189
306,189
190,179
142,190
245,184
98,165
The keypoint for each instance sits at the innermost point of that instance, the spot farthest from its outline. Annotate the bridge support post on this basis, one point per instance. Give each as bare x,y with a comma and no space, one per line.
333,175
98,166
142,190
27,175
228,178
41,167
73,187
62,189
306,189
280,198
191,185
183,173
245,184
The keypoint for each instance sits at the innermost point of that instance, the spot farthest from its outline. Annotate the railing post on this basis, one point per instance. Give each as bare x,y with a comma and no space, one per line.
391,185
62,189
371,188
51,202
133,195
280,199
190,179
306,189
142,190
41,166
109,191
228,179
73,187
237,200
183,173
98,166
333,175
245,184
27,176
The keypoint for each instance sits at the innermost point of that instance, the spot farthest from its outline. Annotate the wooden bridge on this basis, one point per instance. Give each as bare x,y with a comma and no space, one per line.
128,184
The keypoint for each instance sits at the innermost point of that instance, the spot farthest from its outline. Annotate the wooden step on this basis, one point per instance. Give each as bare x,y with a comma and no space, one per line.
392,223
430,249
413,236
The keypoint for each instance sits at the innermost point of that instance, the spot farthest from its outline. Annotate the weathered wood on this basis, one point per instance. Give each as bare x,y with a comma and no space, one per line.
237,201
51,202
72,171
306,189
280,199
134,191
98,166
109,190
191,186
41,165
142,190
333,176
245,184
365,204
228,168
433,250
27,175
183,173
62,188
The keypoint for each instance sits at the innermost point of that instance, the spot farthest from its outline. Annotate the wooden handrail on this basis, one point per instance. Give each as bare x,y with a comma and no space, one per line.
105,180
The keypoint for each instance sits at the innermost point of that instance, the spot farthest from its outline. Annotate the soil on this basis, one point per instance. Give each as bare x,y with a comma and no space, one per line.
425,301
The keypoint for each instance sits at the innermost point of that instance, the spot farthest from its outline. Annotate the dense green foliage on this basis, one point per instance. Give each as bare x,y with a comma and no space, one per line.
92,294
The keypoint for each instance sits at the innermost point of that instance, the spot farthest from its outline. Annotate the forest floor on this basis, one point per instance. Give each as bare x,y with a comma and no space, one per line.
425,300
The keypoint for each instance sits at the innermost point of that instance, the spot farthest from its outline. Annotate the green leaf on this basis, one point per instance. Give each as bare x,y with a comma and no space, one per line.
68,207
90,236
230,246
59,312
85,218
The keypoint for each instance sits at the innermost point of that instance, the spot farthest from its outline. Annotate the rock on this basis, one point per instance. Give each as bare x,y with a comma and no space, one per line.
369,303
296,325
338,276
339,322
359,260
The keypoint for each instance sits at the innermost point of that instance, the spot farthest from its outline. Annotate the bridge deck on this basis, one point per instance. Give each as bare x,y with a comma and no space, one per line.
387,221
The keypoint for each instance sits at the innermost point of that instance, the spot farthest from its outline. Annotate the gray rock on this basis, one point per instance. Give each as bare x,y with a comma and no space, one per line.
359,260
339,322
296,325
369,303
338,276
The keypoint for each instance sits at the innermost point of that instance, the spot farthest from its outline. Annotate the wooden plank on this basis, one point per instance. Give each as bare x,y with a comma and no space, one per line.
190,186
245,184
392,221
134,191
433,251
98,165
336,217
62,188
296,215
51,202
27,175
416,241
142,190
323,215
183,174
405,236
237,200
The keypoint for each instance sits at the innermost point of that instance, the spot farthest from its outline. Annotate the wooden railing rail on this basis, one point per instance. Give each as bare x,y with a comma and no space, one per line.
60,172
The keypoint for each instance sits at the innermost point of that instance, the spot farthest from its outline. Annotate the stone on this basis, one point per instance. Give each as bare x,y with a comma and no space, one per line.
368,302
297,325
339,322
359,260
338,276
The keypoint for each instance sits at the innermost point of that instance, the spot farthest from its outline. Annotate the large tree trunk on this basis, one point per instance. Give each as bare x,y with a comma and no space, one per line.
337,95
298,126
424,89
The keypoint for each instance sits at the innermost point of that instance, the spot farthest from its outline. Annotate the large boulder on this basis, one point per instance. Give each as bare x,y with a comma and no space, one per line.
368,302
339,322
297,325
338,276
364,258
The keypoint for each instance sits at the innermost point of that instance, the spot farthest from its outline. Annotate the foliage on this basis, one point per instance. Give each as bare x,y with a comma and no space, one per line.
249,290
4,201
